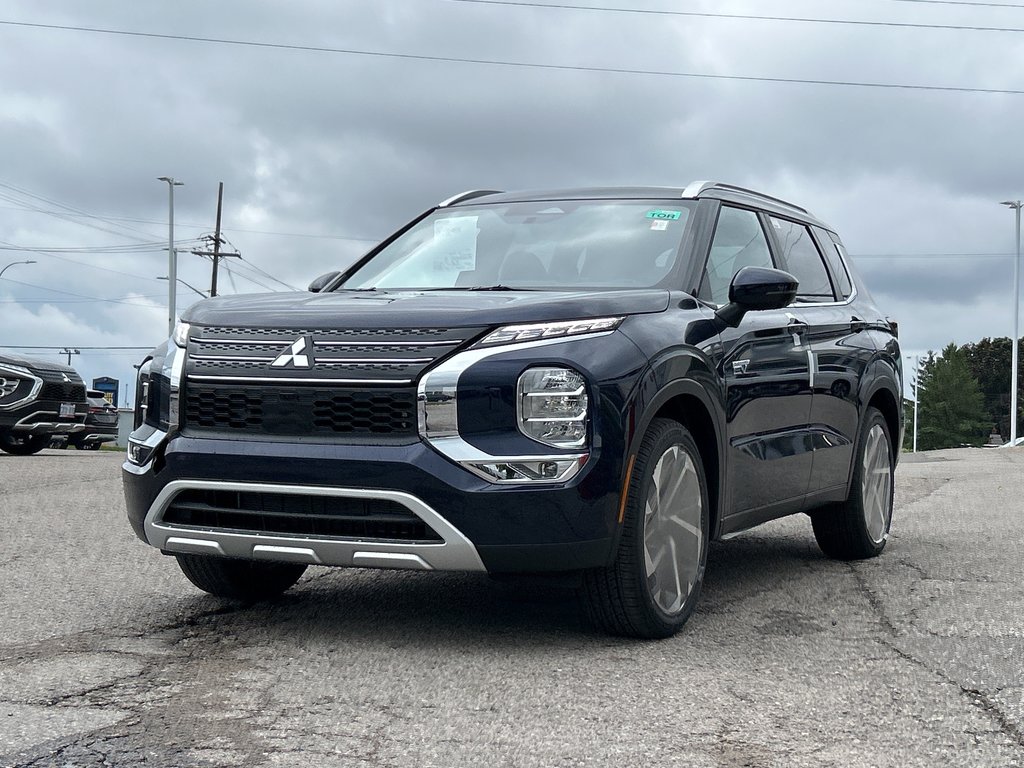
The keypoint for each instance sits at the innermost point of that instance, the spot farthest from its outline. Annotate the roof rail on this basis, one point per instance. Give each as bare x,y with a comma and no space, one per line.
699,187
469,194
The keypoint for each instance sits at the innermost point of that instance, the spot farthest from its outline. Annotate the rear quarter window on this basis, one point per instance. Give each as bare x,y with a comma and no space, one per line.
834,255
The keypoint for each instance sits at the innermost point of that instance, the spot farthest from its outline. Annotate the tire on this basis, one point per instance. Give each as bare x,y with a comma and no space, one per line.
642,594
859,527
243,580
22,446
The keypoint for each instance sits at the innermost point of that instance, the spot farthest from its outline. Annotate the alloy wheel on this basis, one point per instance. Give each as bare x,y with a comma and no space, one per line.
672,530
876,484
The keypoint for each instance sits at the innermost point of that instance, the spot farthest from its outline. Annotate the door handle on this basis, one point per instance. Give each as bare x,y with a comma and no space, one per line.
796,329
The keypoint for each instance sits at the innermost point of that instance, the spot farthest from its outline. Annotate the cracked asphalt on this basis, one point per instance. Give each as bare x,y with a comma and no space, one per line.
108,656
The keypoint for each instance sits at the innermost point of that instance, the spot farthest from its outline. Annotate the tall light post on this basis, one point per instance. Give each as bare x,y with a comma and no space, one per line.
13,263
69,351
172,255
1016,206
917,377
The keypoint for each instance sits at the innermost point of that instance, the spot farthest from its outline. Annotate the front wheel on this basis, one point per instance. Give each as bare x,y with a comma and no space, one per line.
22,446
859,527
244,580
653,585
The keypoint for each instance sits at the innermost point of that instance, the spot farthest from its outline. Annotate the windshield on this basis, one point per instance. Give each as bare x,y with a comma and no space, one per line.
559,244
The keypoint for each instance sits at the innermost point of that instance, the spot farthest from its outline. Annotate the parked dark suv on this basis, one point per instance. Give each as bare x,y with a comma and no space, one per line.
38,400
597,381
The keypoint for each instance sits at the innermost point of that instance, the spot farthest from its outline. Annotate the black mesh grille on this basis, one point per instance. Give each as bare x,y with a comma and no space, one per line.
297,515
300,411
67,393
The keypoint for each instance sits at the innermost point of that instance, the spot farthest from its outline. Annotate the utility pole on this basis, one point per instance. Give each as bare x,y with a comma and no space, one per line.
216,254
216,240
69,351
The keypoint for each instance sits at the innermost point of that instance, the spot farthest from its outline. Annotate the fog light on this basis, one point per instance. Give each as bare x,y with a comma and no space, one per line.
521,471
139,453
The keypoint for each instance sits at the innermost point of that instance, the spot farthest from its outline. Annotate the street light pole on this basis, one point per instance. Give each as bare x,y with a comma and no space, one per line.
12,264
172,255
1014,343
917,378
188,285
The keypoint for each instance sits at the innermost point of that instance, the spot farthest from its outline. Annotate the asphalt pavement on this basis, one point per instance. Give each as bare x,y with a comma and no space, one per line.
109,657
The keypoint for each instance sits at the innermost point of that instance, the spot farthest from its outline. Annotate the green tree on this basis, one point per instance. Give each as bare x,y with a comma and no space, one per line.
952,409
989,361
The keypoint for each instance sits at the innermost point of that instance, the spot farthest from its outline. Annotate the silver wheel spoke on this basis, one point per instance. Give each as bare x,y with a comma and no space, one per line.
876,483
673,536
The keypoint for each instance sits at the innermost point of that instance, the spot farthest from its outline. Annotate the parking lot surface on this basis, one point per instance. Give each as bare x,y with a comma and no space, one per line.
109,657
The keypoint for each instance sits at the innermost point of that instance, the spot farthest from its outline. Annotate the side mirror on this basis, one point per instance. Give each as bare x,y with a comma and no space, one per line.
757,288
321,282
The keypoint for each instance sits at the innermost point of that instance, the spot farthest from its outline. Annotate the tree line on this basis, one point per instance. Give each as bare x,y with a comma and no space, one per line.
964,395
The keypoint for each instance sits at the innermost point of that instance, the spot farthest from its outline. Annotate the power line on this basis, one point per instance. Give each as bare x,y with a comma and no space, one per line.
520,64
932,255
76,295
65,346
742,16
961,2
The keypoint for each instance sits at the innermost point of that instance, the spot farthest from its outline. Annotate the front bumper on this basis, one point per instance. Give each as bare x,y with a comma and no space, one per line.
482,526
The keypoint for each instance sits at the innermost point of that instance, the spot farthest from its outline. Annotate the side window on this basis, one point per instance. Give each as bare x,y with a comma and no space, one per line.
834,256
801,258
739,242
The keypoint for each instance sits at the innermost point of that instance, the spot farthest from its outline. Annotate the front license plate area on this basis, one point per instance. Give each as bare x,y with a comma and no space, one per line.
67,410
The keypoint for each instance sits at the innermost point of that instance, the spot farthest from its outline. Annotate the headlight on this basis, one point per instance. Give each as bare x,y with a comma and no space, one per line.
512,334
180,335
552,407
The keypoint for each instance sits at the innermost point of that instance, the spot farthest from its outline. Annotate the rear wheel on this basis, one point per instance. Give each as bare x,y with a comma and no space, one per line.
22,446
859,527
244,580
653,585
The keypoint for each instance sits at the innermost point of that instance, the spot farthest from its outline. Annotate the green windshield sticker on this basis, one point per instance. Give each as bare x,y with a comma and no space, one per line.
665,215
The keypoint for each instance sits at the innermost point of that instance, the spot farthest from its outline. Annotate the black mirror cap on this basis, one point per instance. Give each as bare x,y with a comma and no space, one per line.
755,288
321,282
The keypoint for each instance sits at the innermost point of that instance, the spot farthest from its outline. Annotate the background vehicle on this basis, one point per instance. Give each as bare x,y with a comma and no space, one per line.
596,381
38,399
100,425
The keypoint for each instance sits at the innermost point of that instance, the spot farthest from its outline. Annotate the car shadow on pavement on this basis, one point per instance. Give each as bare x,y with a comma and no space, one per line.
437,609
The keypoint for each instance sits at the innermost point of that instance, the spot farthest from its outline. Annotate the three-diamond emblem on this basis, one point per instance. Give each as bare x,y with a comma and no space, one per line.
294,355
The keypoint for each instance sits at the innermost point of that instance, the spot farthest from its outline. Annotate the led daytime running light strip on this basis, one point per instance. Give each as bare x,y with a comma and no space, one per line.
511,334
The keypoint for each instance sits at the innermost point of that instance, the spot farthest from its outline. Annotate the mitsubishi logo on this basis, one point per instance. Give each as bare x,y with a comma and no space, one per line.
295,354
66,379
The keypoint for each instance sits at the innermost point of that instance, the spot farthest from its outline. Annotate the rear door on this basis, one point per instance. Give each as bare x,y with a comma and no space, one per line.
765,366
840,350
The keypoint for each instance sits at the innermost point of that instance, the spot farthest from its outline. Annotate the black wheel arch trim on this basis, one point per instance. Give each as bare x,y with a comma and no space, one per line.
667,389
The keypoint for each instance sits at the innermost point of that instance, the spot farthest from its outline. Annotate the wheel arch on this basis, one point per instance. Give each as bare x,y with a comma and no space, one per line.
690,404
883,392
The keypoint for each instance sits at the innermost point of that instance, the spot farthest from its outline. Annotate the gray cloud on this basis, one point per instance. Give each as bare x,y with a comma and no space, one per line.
329,144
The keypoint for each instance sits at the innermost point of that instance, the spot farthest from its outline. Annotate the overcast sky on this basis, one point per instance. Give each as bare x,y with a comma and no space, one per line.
323,152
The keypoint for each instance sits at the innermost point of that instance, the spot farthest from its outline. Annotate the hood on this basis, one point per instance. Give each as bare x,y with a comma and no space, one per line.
404,309
35,364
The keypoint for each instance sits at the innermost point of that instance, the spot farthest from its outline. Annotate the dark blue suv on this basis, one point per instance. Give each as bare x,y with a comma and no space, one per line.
594,381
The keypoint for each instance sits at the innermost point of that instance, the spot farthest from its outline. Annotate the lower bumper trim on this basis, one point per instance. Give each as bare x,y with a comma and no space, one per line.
454,552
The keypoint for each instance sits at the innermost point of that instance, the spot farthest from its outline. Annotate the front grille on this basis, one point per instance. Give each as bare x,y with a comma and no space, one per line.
300,411
297,515
349,356
68,393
